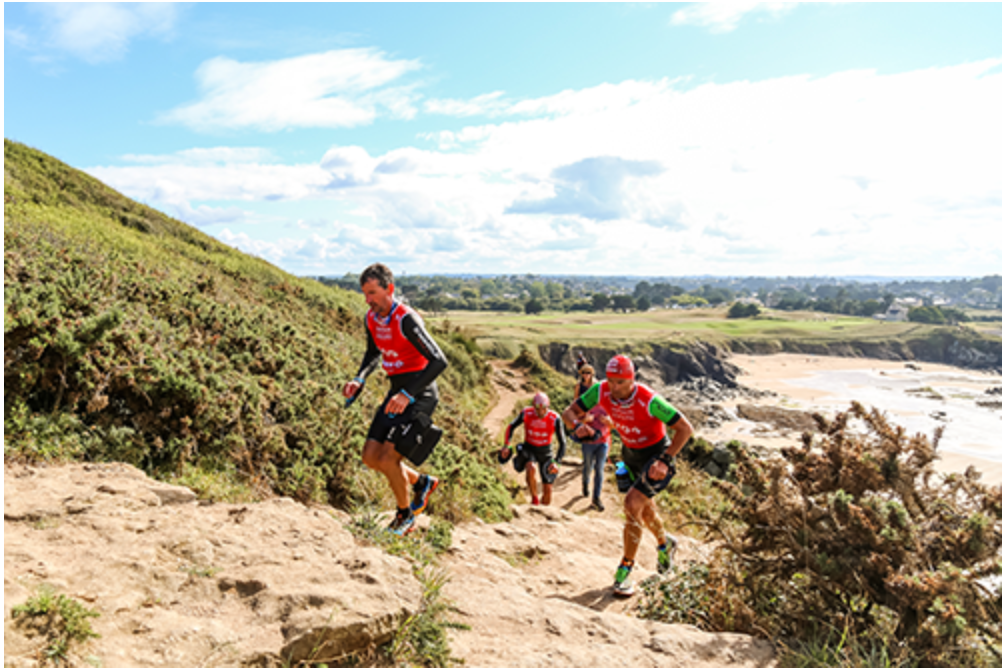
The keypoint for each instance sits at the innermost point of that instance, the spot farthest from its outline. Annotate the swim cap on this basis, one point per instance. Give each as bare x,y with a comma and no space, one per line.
620,366
540,399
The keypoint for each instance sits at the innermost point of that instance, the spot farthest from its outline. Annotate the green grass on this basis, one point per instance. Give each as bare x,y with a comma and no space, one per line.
421,640
804,332
130,336
670,324
64,622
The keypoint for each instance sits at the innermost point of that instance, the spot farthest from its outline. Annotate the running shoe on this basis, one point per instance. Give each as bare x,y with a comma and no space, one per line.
665,554
597,505
421,493
404,522
623,584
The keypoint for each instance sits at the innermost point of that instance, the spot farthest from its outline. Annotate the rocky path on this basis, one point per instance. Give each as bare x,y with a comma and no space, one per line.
179,582
537,591
512,390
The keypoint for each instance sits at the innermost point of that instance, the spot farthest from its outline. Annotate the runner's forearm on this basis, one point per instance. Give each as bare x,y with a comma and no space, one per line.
518,421
370,358
429,349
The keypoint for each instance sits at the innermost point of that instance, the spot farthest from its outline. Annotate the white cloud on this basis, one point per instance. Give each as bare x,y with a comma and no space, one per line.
838,174
201,156
176,184
101,31
16,36
490,104
722,17
342,88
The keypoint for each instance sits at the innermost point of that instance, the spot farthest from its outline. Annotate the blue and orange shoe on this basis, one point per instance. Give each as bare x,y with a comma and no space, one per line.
404,522
421,492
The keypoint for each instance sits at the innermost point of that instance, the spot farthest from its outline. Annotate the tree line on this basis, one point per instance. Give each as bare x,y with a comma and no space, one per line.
532,293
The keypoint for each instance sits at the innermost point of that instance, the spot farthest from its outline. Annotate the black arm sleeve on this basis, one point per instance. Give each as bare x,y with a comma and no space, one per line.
370,358
428,348
517,421
560,435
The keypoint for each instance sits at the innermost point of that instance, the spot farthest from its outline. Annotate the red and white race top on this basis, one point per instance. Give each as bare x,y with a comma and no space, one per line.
398,355
538,431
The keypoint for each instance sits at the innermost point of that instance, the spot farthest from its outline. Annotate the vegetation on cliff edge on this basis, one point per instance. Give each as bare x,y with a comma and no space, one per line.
130,336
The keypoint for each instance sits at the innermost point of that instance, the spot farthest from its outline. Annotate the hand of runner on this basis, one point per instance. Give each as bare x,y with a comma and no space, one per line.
397,404
658,470
350,389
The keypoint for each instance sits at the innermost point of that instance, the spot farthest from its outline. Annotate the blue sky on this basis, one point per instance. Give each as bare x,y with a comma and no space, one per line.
673,139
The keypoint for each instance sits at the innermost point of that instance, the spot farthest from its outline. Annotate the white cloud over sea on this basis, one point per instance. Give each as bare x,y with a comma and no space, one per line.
849,173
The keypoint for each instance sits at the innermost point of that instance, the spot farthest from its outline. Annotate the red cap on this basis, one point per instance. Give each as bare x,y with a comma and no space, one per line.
620,366
540,399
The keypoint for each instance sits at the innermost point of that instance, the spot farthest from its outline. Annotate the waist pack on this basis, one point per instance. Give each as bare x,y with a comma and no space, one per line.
415,440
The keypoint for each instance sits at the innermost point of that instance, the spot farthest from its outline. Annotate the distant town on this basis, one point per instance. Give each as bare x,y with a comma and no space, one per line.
922,300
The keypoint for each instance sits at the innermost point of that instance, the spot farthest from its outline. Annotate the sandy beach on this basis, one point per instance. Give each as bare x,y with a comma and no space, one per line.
920,396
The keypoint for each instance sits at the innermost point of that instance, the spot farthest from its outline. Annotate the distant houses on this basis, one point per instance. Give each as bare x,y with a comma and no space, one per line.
898,310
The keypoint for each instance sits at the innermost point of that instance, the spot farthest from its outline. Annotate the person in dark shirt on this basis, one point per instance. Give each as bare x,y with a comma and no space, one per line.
594,436
397,338
586,374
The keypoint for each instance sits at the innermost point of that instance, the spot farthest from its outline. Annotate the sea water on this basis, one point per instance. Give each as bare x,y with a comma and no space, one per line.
921,402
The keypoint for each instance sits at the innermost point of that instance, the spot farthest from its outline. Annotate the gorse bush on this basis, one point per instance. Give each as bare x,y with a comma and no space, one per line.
854,532
129,336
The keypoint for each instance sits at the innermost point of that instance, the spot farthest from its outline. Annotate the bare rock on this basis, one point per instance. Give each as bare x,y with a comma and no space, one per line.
179,584
272,584
556,608
784,419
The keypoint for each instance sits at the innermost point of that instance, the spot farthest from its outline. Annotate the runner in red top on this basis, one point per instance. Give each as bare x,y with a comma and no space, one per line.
642,419
540,424
412,360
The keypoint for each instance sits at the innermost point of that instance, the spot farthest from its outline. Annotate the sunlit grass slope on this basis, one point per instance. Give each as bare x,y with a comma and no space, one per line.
773,331
130,336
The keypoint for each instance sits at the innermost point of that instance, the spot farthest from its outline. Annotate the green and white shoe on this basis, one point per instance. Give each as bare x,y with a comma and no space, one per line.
623,584
665,554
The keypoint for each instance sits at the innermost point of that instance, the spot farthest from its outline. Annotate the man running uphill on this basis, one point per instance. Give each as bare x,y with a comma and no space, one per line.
642,418
540,424
397,337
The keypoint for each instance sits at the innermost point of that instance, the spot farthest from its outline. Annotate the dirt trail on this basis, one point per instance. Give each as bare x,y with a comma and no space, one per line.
179,582
536,591
512,389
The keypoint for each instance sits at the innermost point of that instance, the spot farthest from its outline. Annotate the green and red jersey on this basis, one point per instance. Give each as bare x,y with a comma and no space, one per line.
641,420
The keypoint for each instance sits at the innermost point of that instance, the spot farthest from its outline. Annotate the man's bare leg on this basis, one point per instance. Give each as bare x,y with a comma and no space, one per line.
640,512
384,458
532,481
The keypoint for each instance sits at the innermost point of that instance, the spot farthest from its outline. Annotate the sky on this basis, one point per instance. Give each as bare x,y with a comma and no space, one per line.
670,139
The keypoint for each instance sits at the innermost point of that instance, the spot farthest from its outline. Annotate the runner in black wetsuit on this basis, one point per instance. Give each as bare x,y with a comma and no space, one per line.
540,424
398,339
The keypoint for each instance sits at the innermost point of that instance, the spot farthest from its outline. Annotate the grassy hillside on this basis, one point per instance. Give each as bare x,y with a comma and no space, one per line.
130,336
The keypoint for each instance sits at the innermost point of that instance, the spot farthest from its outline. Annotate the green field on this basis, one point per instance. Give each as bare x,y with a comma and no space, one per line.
673,325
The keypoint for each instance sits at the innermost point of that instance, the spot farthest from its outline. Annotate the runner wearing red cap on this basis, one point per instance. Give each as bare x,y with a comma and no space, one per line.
540,424
642,419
